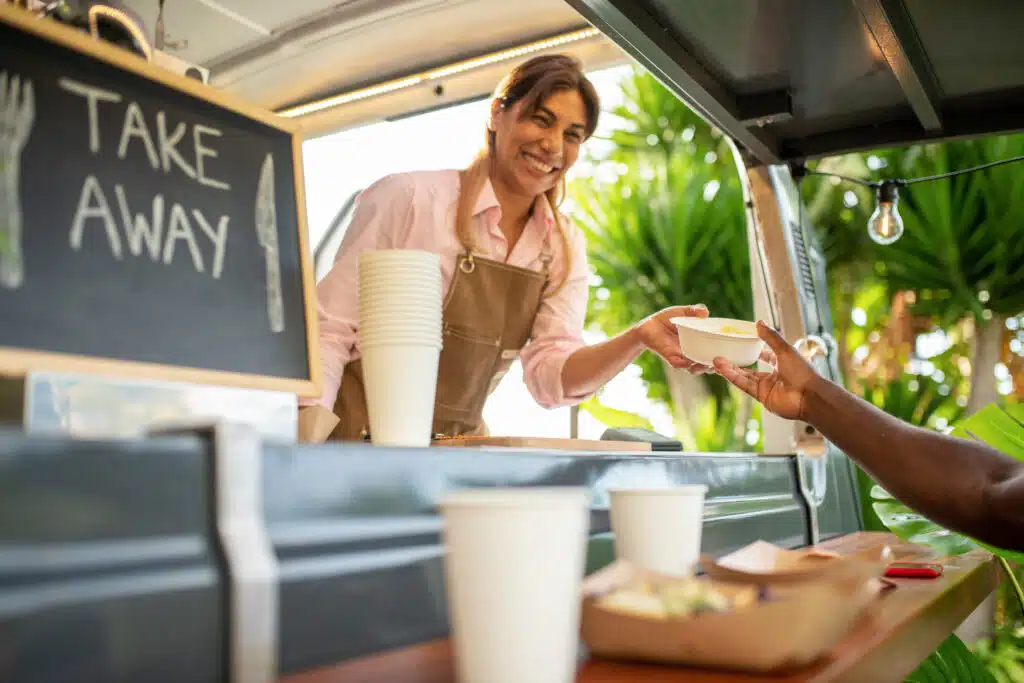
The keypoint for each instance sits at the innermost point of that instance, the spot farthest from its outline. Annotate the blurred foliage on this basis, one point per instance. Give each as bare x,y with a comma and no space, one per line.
1003,654
668,229
724,426
952,662
655,123
919,400
614,417
962,235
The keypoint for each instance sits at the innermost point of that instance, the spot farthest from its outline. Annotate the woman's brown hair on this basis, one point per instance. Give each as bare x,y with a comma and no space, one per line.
531,83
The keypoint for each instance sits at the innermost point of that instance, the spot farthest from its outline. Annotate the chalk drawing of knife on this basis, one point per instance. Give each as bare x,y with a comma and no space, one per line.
266,231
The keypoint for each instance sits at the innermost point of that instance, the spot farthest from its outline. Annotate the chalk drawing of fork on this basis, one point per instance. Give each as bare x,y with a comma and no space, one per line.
17,114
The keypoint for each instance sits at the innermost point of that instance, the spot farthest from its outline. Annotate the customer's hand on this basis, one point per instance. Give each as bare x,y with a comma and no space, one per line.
783,391
660,336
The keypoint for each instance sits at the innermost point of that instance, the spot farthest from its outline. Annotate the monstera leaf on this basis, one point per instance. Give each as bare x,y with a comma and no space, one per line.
952,661
915,528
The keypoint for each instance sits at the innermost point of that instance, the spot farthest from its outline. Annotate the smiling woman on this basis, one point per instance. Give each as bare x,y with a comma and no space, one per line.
540,115
514,270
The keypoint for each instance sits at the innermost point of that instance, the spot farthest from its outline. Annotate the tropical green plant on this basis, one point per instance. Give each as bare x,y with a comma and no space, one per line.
655,122
952,662
962,250
667,231
720,426
614,417
1003,654
1001,427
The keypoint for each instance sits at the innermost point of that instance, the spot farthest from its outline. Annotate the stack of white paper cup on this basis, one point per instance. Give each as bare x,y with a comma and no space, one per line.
400,342
659,529
513,570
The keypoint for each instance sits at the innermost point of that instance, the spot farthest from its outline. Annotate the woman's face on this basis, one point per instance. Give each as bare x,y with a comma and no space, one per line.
533,152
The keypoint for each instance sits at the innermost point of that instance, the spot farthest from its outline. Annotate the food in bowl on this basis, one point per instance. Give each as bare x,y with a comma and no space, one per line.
676,599
733,329
704,339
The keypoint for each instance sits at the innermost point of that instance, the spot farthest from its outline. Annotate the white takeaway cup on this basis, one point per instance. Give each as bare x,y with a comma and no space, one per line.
401,287
398,339
385,272
402,290
377,256
379,324
395,315
659,529
400,380
398,267
513,567
407,302
394,333
385,275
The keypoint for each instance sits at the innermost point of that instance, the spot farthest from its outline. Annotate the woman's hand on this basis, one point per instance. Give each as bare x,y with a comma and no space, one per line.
782,391
660,335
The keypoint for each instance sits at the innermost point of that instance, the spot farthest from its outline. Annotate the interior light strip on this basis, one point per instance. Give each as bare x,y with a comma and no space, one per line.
435,74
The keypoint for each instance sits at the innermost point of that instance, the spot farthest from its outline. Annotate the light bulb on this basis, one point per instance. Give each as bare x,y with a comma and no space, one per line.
885,225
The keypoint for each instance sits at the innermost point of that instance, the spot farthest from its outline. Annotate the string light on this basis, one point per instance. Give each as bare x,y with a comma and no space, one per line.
885,225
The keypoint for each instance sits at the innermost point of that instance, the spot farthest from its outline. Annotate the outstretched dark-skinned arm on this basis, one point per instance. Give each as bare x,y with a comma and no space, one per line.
964,485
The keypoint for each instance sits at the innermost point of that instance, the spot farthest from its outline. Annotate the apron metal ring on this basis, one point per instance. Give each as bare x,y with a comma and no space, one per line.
466,265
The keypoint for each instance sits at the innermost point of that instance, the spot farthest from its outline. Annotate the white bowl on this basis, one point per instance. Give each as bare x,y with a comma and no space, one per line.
702,340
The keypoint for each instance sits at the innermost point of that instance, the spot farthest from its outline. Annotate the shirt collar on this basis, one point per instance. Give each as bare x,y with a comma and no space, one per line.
488,200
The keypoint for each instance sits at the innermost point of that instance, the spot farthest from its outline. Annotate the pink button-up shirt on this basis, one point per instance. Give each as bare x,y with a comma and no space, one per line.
417,211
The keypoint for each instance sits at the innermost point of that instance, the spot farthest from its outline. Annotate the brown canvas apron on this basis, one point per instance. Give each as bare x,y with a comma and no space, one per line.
487,318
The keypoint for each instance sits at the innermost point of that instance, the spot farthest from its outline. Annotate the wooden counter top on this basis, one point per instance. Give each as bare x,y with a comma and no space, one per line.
905,627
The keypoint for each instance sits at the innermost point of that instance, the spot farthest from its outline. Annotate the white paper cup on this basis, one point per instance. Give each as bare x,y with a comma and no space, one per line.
400,323
416,288
513,570
417,318
403,303
395,339
397,334
659,529
390,268
400,381
403,292
371,276
398,256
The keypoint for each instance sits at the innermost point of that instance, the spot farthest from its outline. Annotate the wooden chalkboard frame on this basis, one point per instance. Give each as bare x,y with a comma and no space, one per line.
18,362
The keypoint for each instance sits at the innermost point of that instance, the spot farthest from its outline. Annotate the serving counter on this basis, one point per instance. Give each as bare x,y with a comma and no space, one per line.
888,643
123,560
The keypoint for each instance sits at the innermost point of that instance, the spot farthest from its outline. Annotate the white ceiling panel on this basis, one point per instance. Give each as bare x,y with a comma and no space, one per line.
276,53
275,14
421,35
209,32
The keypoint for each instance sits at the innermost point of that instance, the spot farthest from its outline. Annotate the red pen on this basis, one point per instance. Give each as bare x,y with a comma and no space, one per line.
914,570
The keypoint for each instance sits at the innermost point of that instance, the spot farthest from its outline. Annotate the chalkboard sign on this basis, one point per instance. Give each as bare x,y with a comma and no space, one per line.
149,225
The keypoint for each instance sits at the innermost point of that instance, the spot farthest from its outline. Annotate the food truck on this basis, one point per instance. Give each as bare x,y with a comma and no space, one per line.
213,552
